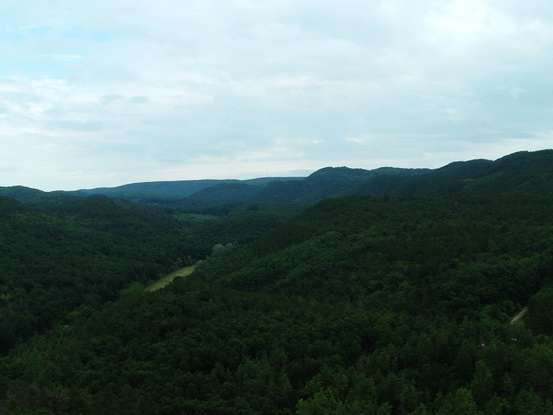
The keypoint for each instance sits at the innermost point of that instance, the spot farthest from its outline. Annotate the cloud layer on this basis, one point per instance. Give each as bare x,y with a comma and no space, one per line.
104,93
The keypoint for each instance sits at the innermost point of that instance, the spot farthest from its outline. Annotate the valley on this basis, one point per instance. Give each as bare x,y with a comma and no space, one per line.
349,292
180,273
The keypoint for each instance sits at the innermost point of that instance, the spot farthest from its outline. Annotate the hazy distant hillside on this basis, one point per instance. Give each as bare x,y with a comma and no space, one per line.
324,183
229,191
172,189
329,182
20,193
522,171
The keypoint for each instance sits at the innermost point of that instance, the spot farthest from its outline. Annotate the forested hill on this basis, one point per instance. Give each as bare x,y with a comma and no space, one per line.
357,305
81,257
324,183
173,189
522,171
61,253
21,193
328,182
360,305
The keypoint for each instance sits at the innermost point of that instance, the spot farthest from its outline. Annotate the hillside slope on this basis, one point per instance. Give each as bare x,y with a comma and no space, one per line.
328,182
522,171
359,305
49,266
324,183
172,189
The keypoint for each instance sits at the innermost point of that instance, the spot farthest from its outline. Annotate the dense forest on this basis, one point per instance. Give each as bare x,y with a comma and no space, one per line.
432,297
62,253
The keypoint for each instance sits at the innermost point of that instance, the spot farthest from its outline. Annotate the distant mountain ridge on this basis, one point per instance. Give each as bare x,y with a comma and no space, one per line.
522,171
172,189
393,304
324,183
329,182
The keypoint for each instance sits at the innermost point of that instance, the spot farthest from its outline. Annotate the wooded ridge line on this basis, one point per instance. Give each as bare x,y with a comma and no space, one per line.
394,296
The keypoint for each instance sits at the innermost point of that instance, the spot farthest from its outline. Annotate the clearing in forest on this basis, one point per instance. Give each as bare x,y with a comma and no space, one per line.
183,272
519,315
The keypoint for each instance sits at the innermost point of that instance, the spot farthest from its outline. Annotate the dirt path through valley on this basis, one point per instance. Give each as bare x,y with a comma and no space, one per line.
519,315
183,272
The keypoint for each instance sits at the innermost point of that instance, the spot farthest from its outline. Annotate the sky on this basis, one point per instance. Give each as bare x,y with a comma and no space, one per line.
103,93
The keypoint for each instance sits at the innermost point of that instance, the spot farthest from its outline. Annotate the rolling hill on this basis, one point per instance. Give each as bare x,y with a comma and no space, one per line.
173,189
324,183
394,304
522,171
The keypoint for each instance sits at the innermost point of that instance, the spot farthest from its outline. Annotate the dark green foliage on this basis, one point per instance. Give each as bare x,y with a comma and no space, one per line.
470,250
520,172
359,305
49,266
21,193
540,317
60,252
228,191
328,182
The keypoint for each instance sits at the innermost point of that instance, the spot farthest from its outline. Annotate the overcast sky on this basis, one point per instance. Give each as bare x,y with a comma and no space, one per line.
103,93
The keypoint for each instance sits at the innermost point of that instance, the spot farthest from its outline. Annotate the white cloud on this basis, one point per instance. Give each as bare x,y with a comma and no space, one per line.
111,92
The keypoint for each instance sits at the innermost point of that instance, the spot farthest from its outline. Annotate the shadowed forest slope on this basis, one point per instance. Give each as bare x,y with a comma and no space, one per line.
357,305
